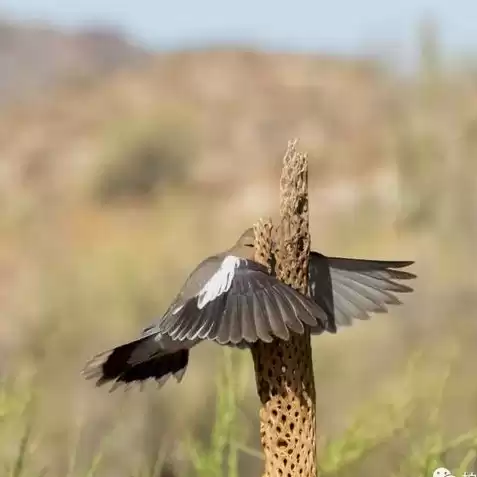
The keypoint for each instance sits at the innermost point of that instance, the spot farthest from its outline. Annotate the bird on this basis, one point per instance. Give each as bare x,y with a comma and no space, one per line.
235,301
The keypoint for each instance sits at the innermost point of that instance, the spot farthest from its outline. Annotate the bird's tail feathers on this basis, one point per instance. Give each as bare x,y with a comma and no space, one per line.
137,361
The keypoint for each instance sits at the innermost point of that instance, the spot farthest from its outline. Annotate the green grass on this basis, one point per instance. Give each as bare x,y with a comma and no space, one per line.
403,421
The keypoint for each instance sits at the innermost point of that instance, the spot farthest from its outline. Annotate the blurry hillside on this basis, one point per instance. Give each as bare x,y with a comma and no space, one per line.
127,173
236,105
34,57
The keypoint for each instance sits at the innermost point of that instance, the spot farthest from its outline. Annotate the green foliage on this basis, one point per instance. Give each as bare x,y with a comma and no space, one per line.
391,422
405,413
142,156
221,453
15,422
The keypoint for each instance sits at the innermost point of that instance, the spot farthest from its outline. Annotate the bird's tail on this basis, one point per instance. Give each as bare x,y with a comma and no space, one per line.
137,361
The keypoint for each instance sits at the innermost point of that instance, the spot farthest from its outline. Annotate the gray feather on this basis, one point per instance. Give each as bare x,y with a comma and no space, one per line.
350,289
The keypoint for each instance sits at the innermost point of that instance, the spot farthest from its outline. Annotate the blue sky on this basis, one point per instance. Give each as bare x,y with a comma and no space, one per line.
334,26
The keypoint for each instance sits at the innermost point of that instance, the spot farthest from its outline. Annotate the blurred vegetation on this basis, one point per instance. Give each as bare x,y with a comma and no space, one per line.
402,422
143,155
189,149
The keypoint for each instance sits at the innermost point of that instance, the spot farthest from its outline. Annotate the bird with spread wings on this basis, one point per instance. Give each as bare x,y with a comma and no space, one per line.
233,300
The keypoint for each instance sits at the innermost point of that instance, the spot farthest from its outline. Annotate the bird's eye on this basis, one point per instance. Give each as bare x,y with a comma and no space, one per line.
249,245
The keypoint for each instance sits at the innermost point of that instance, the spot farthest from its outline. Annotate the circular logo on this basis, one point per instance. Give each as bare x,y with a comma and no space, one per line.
442,472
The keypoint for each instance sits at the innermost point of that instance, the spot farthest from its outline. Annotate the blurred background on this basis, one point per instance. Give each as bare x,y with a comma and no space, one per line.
136,139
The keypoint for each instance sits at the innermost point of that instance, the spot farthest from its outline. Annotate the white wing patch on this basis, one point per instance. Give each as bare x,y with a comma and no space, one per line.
177,309
220,282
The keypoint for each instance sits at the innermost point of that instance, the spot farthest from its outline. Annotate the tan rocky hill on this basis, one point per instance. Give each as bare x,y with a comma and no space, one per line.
36,56
236,108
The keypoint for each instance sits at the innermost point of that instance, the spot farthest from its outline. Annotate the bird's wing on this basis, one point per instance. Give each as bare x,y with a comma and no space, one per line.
240,303
349,288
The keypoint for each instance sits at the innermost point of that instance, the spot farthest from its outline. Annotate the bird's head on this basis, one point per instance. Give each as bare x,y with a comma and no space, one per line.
245,246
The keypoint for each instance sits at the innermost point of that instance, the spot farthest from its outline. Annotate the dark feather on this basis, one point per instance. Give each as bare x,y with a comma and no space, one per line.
242,313
349,288
120,366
